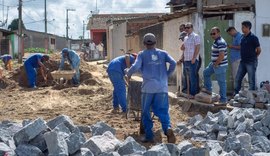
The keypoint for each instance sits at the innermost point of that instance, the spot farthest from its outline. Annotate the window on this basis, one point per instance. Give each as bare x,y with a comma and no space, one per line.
52,40
266,30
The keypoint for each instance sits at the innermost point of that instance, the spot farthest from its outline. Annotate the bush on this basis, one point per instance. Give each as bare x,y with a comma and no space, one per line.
37,50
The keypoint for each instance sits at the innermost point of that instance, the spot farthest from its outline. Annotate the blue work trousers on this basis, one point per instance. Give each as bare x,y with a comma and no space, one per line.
159,104
119,91
76,77
250,69
31,75
191,71
220,73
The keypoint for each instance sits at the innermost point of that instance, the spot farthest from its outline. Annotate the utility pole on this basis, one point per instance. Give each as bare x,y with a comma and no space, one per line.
20,47
83,32
45,22
67,27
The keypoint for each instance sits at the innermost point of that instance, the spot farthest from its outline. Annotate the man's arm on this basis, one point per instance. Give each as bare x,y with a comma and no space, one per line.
172,64
220,58
62,63
196,53
135,66
258,51
234,47
43,69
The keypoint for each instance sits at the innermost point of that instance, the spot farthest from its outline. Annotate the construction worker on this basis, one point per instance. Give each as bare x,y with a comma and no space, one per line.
116,74
74,60
30,65
152,64
7,59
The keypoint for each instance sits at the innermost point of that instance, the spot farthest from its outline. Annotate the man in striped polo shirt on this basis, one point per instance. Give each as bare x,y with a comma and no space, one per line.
218,65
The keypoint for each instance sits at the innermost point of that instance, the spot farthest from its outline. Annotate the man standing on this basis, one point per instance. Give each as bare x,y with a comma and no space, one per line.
116,74
74,61
250,50
191,49
217,66
152,64
100,48
235,50
30,65
92,46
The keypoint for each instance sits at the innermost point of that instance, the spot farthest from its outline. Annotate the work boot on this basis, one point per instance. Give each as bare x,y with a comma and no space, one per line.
170,136
115,110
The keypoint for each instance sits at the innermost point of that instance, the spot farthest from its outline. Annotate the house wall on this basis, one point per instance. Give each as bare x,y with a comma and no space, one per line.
133,42
117,39
171,42
263,17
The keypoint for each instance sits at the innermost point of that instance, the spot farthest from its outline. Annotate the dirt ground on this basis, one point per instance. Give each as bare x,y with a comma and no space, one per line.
85,105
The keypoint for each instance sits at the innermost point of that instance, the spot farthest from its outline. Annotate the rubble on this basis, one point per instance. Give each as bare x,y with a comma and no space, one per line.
251,99
239,132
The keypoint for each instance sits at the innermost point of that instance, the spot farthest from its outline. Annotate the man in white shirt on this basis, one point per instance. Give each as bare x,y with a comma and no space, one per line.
92,46
100,48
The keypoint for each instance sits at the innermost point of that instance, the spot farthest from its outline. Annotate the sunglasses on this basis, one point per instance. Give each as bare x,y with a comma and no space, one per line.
187,27
212,34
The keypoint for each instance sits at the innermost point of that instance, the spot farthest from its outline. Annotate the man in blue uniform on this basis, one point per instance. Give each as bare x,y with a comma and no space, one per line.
7,61
30,65
152,64
74,60
250,51
116,74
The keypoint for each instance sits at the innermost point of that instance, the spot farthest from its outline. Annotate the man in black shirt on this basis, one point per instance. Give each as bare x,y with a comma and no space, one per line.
250,50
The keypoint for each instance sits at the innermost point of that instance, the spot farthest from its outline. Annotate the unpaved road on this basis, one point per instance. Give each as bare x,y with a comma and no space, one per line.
87,104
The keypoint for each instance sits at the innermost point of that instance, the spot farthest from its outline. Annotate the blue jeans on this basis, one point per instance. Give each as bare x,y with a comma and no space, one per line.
250,69
220,73
191,70
31,75
159,104
76,77
119,90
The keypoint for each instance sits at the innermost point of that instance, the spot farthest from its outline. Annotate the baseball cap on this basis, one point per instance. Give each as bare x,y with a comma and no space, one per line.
65,50
149,39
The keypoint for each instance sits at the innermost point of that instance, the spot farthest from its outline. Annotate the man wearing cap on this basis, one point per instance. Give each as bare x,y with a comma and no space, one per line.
30,65
7,59
190,57
74,60
152,64
116,74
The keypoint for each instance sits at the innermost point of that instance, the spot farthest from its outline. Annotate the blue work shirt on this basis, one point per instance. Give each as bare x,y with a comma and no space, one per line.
249,44
152,64
33,60
73,59
235,53
5,58
119,64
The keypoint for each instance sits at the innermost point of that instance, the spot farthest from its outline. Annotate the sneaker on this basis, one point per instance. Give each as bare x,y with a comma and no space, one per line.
221,103
206,91
170,136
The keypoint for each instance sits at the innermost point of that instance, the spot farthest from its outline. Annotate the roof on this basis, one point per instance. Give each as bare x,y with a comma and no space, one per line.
6,32
99,21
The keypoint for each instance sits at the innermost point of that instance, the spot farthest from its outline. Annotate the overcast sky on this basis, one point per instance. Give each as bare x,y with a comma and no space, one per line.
33,12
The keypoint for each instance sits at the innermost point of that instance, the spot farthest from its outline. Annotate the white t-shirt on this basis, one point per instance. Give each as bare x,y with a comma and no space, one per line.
92,46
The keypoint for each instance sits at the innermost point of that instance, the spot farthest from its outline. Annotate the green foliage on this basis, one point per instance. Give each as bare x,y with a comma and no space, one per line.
14,25
37,50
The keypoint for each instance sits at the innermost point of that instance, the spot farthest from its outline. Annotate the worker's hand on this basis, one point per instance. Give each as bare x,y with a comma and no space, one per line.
45,78
193,60
126,71
229,46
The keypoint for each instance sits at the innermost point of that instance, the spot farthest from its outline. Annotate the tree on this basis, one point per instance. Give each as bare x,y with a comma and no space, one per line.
14,25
